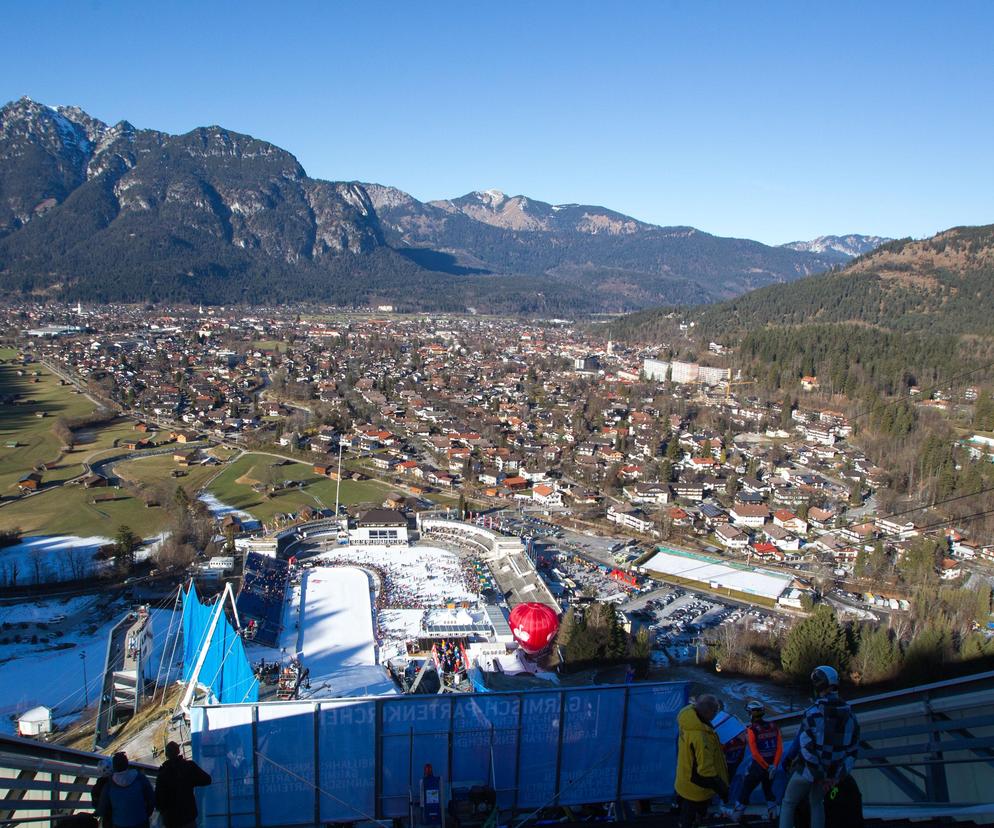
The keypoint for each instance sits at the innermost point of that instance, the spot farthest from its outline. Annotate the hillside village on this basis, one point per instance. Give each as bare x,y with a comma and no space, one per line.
497,413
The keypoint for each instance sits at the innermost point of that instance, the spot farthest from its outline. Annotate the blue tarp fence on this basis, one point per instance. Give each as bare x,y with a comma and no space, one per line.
226,671
306,763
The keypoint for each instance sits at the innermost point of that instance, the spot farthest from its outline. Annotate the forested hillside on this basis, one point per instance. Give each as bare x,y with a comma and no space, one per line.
901,340
940,285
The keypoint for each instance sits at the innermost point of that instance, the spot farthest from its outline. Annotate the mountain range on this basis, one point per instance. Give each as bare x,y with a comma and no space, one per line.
939,286
844,247
100,212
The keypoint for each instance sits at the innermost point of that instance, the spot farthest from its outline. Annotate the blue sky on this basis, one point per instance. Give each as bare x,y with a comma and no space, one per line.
767,120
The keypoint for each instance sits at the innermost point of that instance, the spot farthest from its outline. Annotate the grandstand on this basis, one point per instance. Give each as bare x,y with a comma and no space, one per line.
261,597
513,570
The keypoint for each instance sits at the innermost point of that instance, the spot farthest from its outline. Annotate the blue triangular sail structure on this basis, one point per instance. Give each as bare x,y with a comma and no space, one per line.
225,671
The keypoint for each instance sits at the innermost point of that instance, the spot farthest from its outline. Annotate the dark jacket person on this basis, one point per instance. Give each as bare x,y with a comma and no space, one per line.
174,788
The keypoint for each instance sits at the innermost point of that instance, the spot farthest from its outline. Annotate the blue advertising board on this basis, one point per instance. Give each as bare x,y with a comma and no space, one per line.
297,763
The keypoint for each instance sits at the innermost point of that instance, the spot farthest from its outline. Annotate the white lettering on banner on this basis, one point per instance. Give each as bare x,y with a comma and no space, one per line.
358,714
483,729
416,712
668,699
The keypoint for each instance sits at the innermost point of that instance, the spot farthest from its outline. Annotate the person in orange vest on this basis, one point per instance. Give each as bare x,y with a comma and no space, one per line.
766,750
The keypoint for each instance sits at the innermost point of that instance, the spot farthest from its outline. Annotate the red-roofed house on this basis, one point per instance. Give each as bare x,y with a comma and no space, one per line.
786,519
546,495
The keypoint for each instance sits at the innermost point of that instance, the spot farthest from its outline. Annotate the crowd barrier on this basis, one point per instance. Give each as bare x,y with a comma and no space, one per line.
297,763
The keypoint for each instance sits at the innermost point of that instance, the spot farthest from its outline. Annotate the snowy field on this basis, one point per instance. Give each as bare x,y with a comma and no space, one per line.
414,578
47,668
57,557
335,620
54,558
44,611
338,634
396,626
760,582
220,509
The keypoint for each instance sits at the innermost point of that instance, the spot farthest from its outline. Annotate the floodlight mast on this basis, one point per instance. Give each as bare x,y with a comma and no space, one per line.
338,487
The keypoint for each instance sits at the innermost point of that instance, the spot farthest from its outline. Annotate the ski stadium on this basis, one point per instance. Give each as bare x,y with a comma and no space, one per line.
290,705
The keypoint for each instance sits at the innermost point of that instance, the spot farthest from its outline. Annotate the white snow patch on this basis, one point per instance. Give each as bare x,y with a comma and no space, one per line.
220,509
62,557
329,624
39,674
53,554
417,578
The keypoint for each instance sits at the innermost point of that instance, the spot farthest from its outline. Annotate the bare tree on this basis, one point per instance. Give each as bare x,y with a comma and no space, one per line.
271,477
63,433
37,564
173,551
75,560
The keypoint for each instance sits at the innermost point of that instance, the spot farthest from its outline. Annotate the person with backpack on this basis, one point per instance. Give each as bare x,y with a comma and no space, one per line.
127,799
827,744
701,771
765,745
174,786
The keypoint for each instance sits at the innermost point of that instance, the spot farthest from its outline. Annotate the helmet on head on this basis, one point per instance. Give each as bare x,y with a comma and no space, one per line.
756,709
824,678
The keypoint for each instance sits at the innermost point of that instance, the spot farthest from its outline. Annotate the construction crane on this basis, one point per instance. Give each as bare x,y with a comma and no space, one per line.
730,383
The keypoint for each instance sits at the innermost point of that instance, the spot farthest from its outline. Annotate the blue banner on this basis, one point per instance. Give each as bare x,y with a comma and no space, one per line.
361,759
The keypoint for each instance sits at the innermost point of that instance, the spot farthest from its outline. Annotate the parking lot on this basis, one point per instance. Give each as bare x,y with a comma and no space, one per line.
678,620
577,565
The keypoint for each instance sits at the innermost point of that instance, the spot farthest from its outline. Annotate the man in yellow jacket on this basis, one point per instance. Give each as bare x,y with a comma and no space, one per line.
700,764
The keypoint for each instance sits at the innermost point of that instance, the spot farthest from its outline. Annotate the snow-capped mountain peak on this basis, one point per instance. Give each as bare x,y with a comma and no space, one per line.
846,247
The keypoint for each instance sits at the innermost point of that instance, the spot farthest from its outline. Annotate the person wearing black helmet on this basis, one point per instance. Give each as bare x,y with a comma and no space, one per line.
765,750
827,741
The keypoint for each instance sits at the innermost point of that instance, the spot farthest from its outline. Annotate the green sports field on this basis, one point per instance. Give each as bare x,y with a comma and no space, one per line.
233,487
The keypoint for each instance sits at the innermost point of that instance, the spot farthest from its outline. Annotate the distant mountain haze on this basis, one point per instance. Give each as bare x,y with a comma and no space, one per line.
100,212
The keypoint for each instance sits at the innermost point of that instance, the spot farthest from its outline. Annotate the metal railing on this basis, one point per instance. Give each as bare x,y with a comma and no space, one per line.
926,753
40,782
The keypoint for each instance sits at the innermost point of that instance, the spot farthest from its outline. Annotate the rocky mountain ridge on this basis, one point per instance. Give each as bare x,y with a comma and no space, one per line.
97,211
846,247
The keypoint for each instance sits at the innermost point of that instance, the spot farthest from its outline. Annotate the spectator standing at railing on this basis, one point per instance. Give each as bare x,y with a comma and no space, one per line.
128,799
701,771
827,744
98,788
177,778
765,752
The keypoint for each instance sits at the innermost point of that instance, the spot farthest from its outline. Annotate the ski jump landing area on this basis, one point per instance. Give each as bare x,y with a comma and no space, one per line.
333,633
